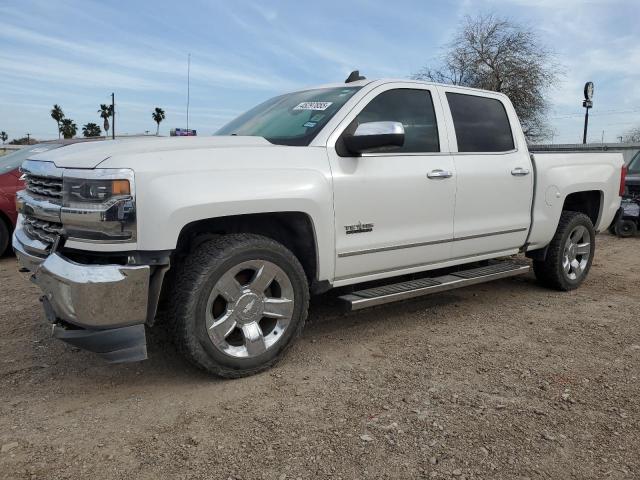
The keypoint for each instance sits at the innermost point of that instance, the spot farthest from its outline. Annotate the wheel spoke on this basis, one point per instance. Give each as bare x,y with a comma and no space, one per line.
578,234
229,287
583,248
263,278
253,338
278,308
566,264
222,327
575,265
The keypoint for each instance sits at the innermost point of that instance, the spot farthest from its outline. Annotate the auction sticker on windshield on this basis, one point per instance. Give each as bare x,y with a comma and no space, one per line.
313,106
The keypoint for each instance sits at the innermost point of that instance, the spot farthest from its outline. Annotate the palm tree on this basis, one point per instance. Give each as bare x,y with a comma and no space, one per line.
91,130
57,114
68,128
3,136
158,116
105,112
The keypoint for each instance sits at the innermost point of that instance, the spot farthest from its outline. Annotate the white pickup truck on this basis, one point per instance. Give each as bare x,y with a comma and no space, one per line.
363,182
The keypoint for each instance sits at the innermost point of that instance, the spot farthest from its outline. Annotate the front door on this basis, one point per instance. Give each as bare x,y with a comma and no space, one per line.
394,208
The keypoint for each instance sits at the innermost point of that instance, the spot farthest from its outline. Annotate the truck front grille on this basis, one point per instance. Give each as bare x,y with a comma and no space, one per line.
47,232
50,187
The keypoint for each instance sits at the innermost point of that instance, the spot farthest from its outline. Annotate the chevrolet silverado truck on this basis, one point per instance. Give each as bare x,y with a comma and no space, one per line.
366,185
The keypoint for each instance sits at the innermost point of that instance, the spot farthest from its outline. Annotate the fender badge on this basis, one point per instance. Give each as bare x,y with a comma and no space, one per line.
359,228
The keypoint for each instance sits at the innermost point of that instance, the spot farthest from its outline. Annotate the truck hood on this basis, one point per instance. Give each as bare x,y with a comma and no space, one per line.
92,154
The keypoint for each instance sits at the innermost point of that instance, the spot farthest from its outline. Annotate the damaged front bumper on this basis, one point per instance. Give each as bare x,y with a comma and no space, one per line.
100,308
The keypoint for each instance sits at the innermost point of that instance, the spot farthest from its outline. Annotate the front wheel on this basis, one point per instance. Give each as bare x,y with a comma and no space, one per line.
569,255
239,301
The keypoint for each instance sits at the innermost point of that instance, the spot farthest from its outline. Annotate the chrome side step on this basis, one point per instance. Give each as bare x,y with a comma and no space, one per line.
425,286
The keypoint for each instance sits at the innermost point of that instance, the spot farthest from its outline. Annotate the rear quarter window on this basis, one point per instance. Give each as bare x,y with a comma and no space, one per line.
481,123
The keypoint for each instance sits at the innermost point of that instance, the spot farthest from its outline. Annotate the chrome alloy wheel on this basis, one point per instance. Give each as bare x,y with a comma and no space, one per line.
249,308
577,250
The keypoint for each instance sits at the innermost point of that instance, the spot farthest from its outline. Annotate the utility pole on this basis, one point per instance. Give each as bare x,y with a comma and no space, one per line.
188,86
28,139
587,103
113,116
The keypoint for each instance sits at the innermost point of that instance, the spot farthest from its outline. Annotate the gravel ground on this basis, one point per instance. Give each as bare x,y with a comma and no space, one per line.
502,380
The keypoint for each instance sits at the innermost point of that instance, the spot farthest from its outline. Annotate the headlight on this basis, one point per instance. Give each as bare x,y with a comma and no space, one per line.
99,205
94,191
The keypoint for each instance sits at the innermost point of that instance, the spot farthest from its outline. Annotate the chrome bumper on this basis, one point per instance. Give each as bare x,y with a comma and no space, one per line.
95,297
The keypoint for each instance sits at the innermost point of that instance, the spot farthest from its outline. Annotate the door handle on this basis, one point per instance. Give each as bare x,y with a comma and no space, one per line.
519,172
439,174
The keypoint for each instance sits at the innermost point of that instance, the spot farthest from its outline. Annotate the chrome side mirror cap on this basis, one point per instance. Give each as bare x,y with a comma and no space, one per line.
372,135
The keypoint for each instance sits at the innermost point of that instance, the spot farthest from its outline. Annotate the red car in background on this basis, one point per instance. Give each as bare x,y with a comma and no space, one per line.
10,183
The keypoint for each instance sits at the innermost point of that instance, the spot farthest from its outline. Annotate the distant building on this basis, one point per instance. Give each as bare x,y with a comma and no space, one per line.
182,132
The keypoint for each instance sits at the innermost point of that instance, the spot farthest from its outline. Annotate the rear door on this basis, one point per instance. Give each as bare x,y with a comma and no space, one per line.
494,174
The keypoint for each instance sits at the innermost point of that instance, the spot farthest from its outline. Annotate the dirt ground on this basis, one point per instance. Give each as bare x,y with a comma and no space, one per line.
502,380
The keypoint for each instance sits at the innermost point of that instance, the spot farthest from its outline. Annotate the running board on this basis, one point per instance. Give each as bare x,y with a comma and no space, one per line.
425,286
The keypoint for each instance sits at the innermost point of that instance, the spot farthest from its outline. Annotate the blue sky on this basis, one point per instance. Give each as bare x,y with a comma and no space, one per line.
75,53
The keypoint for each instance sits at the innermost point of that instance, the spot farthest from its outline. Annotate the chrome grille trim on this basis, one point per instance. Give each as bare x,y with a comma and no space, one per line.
45,186
42,230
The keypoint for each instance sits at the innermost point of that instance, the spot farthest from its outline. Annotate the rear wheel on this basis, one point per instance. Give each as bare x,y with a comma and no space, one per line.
569,255
626,228
4,237
239,301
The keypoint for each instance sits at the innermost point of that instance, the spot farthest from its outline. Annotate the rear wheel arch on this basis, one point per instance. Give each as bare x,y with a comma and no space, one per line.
588,202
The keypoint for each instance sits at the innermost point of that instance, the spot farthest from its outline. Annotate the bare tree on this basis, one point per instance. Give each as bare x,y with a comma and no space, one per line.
498,54
632,136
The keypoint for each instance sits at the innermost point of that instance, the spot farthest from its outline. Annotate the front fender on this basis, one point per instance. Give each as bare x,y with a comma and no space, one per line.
168,201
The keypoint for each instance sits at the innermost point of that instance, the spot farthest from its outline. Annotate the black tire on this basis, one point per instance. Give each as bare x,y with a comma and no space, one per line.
5,237
194,281
550,272
626,228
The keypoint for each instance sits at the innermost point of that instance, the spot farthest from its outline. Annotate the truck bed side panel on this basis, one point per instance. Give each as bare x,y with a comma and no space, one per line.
560,174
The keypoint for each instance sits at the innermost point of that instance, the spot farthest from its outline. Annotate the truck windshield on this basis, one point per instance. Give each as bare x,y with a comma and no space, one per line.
291,119
634,166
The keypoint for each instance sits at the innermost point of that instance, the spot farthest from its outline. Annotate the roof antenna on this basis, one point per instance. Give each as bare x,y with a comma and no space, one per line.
354,77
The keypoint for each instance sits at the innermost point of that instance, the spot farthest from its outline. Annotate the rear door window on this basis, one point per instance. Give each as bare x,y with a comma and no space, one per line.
481,123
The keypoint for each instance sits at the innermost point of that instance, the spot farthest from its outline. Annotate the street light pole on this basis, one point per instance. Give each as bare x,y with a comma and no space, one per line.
113,117
587,103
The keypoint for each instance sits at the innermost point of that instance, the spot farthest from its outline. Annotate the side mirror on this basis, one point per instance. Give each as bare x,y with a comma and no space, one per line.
374,135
